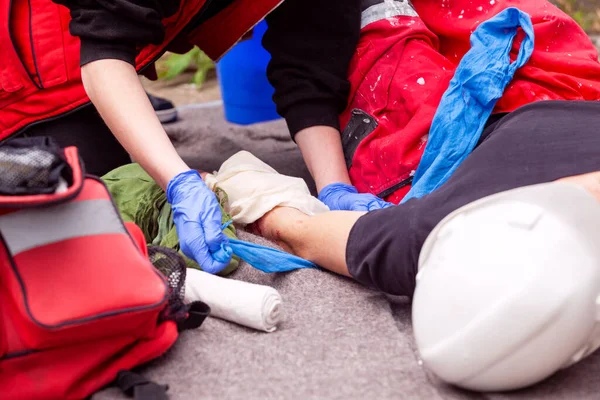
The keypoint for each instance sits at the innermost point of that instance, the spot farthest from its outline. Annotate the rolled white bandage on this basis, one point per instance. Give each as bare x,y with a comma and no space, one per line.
254,306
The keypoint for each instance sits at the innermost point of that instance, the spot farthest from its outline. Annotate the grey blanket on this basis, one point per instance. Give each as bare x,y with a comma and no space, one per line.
339,340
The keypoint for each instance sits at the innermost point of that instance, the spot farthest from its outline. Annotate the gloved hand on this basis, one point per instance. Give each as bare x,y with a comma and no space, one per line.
340,196
197,218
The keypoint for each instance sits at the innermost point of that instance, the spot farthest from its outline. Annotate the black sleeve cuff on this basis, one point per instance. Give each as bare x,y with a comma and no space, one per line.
94,50
306,115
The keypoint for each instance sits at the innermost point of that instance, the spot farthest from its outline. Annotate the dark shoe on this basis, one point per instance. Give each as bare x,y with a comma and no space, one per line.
165,110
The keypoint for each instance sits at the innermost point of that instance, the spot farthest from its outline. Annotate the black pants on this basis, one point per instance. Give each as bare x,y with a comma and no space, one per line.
84,128
538,143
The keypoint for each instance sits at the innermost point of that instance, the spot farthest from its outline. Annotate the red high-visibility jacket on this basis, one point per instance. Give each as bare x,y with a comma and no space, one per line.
40,75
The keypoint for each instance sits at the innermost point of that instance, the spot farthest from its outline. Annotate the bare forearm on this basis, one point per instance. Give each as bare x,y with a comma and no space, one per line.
116,91
321,238
321,148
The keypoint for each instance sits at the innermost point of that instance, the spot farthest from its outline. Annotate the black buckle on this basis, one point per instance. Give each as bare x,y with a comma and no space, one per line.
197,313
140,388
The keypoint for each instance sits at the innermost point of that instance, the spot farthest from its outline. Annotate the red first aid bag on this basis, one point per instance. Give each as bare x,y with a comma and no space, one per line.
80,302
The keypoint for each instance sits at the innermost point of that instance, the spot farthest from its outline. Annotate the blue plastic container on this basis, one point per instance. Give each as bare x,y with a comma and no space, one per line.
242,72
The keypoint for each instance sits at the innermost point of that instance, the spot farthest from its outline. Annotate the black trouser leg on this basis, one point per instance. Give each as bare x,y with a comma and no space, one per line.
538,143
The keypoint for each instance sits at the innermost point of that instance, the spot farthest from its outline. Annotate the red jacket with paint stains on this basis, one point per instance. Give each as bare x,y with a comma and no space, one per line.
404,63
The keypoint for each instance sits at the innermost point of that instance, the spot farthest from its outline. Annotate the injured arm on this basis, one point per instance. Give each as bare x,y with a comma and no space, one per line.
281,209
320,238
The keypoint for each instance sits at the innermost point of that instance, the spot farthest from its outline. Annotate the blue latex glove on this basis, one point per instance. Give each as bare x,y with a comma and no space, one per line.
197,218
343,197
267,259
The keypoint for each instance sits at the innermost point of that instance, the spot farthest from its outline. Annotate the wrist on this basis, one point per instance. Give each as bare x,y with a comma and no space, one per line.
183,179
321,148
332,193
340,186
167,175
327,178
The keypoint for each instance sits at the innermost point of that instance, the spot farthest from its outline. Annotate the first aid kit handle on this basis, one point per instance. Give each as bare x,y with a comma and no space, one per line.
41,200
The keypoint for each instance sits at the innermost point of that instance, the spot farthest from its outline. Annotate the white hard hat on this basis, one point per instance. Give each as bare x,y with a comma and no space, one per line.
508,288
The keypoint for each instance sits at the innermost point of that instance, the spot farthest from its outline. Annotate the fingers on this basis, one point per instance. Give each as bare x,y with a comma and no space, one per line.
197,217
378,204
205,259
217,253
213,266
361,206
213,232
224,254
196,248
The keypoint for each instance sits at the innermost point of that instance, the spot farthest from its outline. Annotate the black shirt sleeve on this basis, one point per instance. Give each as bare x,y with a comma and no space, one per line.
311,44
114,28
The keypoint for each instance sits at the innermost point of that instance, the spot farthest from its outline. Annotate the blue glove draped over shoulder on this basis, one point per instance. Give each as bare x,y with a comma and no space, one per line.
478,83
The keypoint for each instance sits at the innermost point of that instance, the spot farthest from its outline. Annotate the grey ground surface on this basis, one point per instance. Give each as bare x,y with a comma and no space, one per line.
339,340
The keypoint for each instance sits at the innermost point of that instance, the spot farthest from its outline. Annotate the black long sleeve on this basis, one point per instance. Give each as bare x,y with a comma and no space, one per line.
114,28
311,44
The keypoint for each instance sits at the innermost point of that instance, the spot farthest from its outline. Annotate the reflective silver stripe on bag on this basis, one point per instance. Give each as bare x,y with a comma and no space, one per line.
29,228
387,9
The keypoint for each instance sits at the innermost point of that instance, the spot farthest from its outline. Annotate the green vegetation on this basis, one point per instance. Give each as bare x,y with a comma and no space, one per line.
174,65
585,12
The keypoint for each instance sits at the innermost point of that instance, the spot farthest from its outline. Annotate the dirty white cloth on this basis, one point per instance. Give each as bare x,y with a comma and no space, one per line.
254,306
254,188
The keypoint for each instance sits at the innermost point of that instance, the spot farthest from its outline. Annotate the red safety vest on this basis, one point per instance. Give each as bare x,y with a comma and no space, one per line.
40,77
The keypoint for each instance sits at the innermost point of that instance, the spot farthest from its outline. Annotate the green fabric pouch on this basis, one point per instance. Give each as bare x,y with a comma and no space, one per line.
140,200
